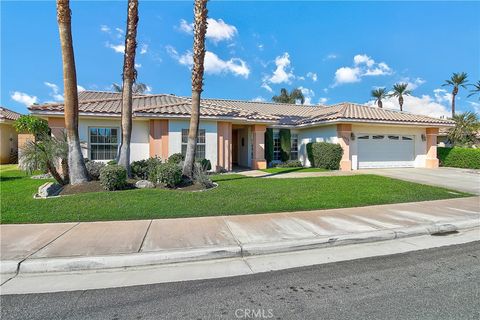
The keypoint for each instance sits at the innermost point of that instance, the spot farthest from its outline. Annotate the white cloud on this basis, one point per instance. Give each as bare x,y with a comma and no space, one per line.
322,100
105,28
80,88
424,105
120,32
308,94
442,95
217,30
313,76
143,48
266,87
23,98
475,106
363,66
330,56
258,99
413,84
138,65
260,46
213,64
120,48
55,94
283,73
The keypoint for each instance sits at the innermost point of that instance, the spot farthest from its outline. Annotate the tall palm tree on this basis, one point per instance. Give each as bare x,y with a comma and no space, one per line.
292,97
137,88
475,90
379,94
457,80
77,170
400,90
199,31
129,75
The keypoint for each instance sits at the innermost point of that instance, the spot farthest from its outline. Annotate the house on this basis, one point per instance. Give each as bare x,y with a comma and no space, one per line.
8,136
232,132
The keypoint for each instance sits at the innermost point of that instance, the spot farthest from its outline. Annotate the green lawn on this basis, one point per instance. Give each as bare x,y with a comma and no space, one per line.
235,195
287,170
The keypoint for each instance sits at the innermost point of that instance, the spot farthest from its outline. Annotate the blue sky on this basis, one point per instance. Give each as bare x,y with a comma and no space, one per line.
333,51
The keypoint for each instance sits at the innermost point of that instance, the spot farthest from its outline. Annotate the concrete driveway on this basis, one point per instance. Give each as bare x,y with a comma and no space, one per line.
467,180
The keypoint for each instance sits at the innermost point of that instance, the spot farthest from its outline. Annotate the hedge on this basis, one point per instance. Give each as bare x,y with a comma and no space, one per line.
113,177
459,157
326,155
285,144
269,145
310,154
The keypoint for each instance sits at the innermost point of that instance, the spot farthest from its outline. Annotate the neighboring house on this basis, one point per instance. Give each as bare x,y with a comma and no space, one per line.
232,132
443,141
8,135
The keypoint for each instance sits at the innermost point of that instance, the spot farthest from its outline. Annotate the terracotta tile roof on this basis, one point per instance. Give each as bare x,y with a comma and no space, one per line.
6,114
283,114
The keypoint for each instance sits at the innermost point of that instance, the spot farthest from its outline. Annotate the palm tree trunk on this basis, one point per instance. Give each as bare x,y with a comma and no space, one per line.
53,171
453,105
380,104
200,29
65,171
129,75
78,171
400,102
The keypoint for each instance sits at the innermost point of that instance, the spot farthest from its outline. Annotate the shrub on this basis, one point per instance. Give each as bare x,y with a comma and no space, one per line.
31,124
201,176
169,174
290,164
144,169
205,164
175,158
93,168
112,163
285,144
310,154
327,155
113,177
459,157
269,145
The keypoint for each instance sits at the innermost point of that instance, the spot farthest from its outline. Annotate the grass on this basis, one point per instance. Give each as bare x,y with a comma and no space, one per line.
236,194
287,170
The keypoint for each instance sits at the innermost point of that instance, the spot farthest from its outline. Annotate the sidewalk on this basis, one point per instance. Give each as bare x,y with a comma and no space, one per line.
68,247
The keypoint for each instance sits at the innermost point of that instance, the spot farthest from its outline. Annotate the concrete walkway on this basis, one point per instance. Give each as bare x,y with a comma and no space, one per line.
101,245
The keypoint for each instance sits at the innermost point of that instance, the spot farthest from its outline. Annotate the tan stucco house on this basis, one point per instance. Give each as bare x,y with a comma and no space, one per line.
232,132
8,135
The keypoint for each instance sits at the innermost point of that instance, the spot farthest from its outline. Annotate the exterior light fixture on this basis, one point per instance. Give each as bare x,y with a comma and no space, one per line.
352,136
424,137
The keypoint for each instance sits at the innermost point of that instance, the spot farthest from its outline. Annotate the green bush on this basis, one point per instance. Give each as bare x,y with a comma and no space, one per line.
169,174
112,163
459,157
143,169
31,124
285,144
327,155
175,158
205,164
93,169
269,145
290,164
310,154
113,177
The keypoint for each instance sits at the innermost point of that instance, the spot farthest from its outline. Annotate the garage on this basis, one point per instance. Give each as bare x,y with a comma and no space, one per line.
385,150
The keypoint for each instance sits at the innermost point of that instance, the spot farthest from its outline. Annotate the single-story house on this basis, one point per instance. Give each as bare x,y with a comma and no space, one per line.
232,132
8,135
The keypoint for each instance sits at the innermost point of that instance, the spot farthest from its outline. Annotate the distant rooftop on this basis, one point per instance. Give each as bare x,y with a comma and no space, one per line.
7,114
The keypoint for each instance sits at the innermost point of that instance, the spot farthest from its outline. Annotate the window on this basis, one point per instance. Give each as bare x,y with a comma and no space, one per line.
103,143
276,147
393,137
407,138
200,154
294,151
378,137
363,137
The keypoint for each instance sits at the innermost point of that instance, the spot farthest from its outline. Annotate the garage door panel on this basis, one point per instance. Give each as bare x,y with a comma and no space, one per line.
385,151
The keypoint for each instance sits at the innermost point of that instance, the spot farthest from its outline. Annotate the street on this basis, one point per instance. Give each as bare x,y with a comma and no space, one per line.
441,283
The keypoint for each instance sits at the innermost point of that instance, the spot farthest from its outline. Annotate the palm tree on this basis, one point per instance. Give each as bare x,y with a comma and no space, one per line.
400,90
465,130
76,164
457,80
199,31
379,94
137,88
129,75
475,90
292,97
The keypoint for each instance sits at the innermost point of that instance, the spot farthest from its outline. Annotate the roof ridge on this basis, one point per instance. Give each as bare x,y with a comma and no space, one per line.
267,102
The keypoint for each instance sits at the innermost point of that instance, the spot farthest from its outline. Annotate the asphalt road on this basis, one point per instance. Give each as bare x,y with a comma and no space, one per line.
435,284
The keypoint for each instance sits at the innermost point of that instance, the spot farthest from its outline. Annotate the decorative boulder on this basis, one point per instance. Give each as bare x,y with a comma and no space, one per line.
144,184
48,189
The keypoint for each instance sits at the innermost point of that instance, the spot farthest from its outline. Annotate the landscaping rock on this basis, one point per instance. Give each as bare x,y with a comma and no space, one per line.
48,189
144,184
42,176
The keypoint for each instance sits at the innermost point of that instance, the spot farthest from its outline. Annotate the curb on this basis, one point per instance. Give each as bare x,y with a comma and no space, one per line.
96,263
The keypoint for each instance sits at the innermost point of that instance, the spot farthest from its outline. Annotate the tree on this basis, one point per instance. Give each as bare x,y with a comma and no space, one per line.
465,130
76,164
400,90
199,31
137,88
129,75
457,80
475,90
379,94
32,125
292,97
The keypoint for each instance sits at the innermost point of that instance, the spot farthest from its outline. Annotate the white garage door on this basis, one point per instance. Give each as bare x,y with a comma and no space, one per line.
385,150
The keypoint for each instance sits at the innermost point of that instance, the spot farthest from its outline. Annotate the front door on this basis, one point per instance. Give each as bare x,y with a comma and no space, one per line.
235,147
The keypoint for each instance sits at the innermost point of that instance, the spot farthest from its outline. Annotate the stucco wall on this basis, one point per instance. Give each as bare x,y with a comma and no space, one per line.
420,147
175,138
8,141
140,135
317,134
